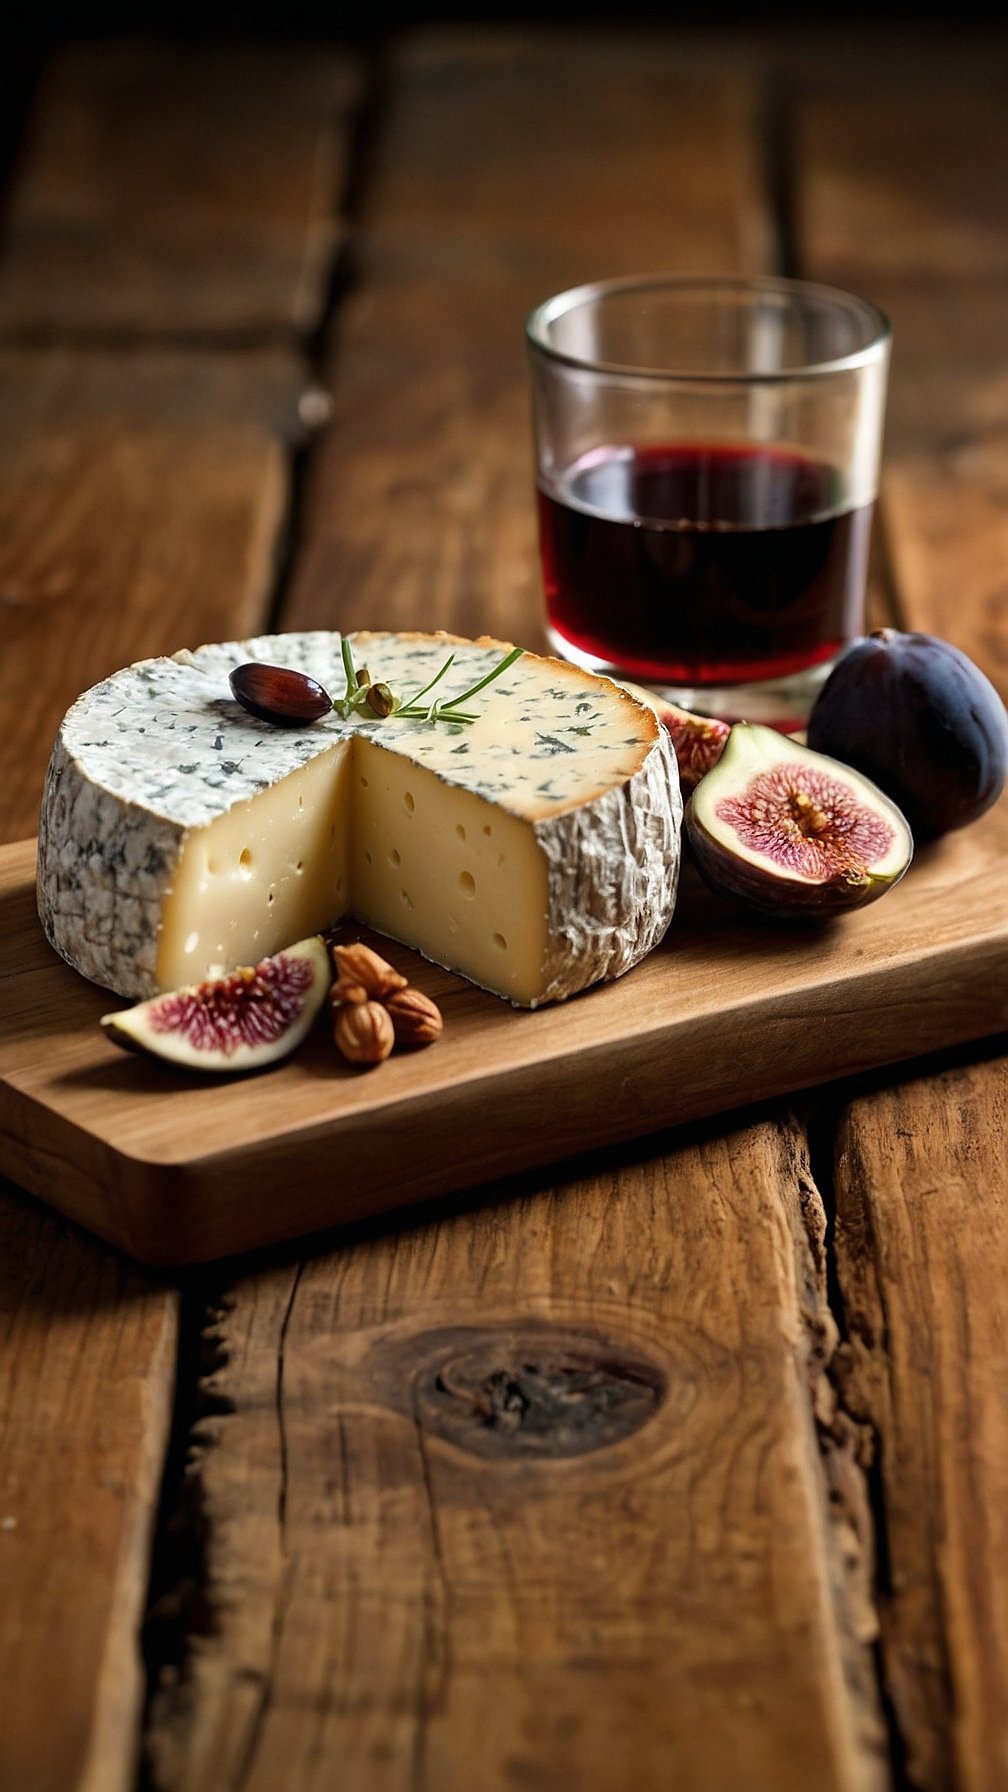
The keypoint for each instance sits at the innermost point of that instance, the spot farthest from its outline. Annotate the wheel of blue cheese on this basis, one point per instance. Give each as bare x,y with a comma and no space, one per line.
535,850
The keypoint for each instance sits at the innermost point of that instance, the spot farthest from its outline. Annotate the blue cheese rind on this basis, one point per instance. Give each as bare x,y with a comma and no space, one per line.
153,757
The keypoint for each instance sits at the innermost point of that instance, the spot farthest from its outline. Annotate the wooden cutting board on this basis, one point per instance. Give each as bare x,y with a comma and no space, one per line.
178,1168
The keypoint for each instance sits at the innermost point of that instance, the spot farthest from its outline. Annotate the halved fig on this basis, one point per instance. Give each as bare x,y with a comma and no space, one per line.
699,741
241,1021
792,833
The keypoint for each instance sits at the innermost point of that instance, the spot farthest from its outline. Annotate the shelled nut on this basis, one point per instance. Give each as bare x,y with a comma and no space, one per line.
416,1020
364,1032
358,964
343,990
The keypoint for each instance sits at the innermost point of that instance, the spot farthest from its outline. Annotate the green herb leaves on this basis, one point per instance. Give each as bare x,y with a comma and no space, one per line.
376,700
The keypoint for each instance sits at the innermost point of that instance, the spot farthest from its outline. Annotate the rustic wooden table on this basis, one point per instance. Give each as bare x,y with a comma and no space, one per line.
261,363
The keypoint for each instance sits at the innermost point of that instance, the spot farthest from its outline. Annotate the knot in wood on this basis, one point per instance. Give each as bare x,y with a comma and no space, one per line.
543,1394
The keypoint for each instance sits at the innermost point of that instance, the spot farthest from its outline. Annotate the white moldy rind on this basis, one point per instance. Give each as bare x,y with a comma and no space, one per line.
103,867
621,859
160,750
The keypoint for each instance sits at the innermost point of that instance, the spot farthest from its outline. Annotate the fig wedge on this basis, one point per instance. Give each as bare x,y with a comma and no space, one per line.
791,833
242,1021
699,741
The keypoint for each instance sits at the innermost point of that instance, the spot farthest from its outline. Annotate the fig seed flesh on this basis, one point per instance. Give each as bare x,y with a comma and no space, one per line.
792,833
238,1022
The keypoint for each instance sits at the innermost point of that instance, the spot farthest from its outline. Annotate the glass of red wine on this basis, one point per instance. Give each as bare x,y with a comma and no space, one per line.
707,454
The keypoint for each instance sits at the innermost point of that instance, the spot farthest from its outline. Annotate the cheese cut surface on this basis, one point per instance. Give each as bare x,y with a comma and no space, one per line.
535,850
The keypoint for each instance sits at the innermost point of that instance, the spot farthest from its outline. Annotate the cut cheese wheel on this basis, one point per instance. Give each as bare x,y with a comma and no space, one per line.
535,850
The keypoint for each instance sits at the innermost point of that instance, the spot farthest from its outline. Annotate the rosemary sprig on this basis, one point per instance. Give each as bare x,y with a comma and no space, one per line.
356,692
445,709
410,705
495,672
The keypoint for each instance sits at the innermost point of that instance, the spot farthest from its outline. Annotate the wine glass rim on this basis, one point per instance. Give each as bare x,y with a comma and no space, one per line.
777,286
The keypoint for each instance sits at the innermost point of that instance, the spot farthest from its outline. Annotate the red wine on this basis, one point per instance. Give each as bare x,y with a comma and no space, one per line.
692,564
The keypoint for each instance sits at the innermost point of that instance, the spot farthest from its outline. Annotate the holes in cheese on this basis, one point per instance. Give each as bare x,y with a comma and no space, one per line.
262,890
536,851
355,839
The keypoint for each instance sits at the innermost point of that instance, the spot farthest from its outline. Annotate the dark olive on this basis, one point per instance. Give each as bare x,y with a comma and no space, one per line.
279,694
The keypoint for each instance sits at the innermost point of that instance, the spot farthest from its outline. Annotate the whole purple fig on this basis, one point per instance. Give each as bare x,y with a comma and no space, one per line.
916,716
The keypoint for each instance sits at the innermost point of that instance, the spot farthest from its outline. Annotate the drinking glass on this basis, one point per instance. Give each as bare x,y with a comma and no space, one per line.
707,453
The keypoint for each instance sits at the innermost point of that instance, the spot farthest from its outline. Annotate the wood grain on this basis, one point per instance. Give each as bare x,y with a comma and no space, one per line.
385,1602
412,1575
178,192
863,147
947,531
899,195
179,1168
484,199
141,501
87,1357
920,1169
455,1555
116,542
922,1231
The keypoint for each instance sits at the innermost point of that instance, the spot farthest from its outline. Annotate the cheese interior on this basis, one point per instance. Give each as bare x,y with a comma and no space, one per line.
367,832
535,850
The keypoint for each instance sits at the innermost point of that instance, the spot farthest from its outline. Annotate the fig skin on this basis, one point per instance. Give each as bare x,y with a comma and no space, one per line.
914,714
792,834
241,1021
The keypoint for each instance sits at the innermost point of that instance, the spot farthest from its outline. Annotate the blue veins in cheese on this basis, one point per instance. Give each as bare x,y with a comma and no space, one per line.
536,851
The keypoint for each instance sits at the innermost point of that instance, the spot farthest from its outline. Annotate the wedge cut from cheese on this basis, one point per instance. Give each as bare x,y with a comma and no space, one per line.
535,850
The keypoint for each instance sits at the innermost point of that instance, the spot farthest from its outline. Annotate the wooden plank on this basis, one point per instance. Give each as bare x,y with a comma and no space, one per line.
141,500
86,1357
905,200
536,1487
922,1233
947,530
176,1168
530,149
178,191
920,1169
131,522
466,232
864,145
901,196
396,1589
53,390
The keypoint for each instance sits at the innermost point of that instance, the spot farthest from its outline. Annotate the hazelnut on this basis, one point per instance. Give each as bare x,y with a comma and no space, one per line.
364,1032
358,964
415,1018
